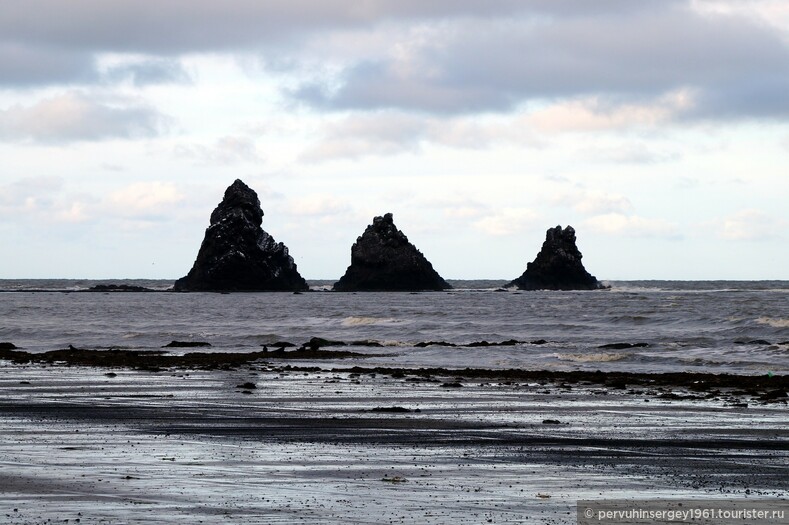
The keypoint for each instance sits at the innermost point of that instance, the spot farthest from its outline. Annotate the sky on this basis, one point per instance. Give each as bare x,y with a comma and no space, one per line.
658,129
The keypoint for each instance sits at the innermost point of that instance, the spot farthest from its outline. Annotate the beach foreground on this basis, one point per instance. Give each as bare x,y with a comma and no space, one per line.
263,443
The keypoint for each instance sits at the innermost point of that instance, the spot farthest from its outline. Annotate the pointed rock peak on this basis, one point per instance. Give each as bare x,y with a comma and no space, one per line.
386,219
239,199
558,265
238,185
237,255
558,234
384,227
382,259
239,193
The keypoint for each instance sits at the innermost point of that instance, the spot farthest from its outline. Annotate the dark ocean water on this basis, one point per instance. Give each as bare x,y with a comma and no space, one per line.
704,326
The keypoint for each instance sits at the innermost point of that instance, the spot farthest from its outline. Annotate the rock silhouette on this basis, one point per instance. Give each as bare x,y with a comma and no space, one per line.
237,254
558,265
382,259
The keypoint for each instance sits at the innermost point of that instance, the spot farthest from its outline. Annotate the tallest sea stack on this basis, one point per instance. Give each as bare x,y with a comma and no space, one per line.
237,255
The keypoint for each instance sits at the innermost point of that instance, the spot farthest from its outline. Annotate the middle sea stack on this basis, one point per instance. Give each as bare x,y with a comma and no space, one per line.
382,259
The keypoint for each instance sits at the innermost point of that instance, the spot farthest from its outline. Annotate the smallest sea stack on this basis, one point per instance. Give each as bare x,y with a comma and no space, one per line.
558,265
382,259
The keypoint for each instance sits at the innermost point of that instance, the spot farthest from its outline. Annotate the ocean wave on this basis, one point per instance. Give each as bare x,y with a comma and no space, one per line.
632,318
367,321
616,288
734,363
602,357
775,323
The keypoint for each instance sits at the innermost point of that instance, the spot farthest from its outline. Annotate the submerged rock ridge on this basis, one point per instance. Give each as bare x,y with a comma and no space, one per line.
558,265
382,259
237,254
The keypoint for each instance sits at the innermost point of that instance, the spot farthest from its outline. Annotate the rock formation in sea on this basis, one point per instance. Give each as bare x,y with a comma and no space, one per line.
117,288
382,259
237,254
558,265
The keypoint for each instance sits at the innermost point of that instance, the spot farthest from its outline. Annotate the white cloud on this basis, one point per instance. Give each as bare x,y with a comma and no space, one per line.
76,116
632,153
772,12
144,200
44,200
41,201
751,225
463,212
29,195
507,221
76,212
224,151
484,131
385,133
593,201
382,133
456,205
621,225
318,205
593,114
392,132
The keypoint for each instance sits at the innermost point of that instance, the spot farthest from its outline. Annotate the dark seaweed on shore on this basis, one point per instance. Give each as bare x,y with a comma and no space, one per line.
692,380
154,360
775,385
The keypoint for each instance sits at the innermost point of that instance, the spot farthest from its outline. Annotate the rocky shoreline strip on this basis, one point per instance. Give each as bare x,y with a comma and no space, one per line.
765,388
155,360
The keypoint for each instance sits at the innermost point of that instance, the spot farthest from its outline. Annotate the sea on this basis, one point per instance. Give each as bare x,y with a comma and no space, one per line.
738,327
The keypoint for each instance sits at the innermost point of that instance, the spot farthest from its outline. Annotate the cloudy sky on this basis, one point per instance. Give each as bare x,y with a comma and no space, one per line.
658,129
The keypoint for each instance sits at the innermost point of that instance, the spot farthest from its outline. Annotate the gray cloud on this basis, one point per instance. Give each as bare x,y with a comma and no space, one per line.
51,41
30,64
761,96
731,67
152,71
33,64
474,56
76,117
181,26
178,26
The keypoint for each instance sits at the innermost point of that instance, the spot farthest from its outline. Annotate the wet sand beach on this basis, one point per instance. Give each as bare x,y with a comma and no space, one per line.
271,443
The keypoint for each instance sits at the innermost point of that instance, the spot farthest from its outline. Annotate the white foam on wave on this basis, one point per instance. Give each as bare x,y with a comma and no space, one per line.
394,343
366,321
775,323
602,357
